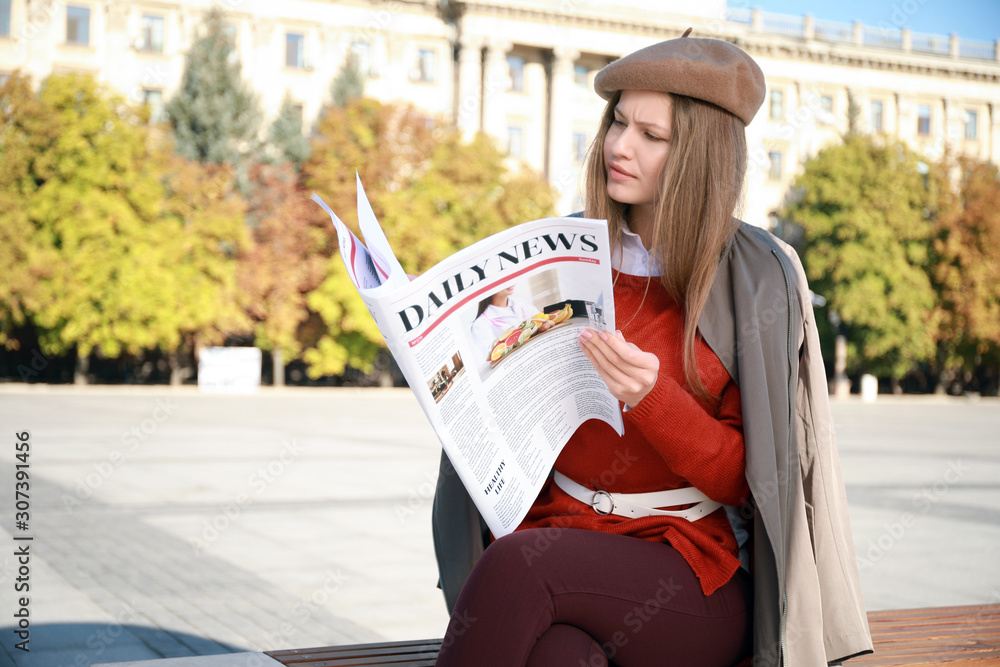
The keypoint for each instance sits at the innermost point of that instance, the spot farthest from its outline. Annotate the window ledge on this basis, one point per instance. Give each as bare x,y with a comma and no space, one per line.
79,47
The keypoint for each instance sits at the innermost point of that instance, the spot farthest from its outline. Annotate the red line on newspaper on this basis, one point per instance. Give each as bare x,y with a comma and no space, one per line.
377,265
470,297
354,251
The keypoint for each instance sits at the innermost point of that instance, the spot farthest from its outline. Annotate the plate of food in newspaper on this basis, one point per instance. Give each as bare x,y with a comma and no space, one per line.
515,337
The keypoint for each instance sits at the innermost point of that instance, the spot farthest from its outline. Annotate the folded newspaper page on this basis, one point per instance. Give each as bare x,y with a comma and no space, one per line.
487,340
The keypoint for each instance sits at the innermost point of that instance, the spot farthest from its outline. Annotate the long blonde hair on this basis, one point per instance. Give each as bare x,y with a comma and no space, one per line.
699,190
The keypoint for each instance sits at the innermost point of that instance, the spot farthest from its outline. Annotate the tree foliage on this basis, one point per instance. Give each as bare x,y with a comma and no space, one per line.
215,115
117,244
91,218
27,127
288,256
205,215
432,194
966,269
285,135
863,208
349,84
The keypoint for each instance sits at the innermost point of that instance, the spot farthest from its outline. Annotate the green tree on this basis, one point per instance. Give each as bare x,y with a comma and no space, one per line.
863,209
432,194
349,84
215,115
966,271
285,135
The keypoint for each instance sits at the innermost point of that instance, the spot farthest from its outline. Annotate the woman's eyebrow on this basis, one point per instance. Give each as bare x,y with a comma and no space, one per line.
655,126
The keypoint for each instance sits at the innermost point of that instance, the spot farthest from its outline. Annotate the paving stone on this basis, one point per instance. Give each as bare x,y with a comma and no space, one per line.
356,503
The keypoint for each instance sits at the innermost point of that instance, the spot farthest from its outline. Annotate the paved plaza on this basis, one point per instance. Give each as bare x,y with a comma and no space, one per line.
166,523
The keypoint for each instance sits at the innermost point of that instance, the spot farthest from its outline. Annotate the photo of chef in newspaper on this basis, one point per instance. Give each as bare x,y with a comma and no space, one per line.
505,320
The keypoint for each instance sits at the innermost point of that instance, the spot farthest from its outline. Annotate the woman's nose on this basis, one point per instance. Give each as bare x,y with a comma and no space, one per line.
622,144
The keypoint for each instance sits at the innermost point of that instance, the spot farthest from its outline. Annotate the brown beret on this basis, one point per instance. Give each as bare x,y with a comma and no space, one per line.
707,69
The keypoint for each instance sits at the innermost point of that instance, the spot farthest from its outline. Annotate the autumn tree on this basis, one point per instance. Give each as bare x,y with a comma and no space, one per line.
432,194
27,126
966,272
90,211
862,206
120,255
204,215
287,258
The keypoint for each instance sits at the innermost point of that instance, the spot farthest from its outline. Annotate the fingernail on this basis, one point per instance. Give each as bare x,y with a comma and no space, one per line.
585,335
604,335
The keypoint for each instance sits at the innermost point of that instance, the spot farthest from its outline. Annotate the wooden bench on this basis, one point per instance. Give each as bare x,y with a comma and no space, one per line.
958,636
418,653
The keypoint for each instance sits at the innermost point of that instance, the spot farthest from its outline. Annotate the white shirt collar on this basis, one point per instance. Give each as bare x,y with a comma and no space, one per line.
633,258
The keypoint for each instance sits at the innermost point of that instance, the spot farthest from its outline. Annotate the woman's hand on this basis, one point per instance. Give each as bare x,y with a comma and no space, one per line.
629,372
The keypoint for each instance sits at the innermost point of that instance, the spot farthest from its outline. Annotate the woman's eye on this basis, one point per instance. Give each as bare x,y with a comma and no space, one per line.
619,123
653,137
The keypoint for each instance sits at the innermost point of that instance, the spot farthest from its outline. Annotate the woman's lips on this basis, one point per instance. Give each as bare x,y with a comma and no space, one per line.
616,172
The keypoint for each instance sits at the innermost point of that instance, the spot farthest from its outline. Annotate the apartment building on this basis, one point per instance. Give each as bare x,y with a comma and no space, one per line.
523,71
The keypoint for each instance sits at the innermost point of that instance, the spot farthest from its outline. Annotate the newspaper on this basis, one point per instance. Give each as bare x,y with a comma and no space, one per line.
504,386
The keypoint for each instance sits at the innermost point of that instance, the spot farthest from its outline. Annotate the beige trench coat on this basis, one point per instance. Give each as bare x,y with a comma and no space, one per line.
759,321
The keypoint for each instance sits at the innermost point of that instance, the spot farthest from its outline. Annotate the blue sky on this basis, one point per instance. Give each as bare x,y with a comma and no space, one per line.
972,19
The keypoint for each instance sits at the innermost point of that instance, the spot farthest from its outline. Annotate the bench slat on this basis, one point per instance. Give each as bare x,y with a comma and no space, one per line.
420,653
959,636
966,636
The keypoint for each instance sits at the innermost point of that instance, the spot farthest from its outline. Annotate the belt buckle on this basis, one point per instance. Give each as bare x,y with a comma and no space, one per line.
596,499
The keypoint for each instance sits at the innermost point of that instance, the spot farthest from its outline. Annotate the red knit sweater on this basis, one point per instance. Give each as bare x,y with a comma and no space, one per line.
672,440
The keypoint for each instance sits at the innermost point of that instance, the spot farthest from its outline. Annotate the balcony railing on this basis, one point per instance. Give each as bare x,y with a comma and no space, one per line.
836,32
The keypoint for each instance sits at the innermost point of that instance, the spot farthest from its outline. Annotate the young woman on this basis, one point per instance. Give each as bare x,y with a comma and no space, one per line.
636,552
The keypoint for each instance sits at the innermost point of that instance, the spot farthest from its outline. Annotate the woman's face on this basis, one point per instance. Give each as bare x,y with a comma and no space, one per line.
637,145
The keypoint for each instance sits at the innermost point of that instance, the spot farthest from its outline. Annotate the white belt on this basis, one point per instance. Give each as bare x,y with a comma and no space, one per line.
635,505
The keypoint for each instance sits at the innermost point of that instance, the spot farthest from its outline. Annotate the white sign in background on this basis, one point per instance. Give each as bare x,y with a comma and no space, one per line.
229,370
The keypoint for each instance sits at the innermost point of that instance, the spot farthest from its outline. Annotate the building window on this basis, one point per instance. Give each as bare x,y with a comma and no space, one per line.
151,40
295,50
154,100
774,171
516,66
362,52
514,147
923,120
426,66
77,25
971,122
876,115
4,17
579,146
777,105
581,74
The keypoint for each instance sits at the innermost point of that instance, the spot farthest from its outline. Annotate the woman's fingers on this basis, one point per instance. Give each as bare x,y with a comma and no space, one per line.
610,370
629,372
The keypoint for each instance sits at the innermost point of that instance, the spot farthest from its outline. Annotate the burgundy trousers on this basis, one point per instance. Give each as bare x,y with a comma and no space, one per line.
562,597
